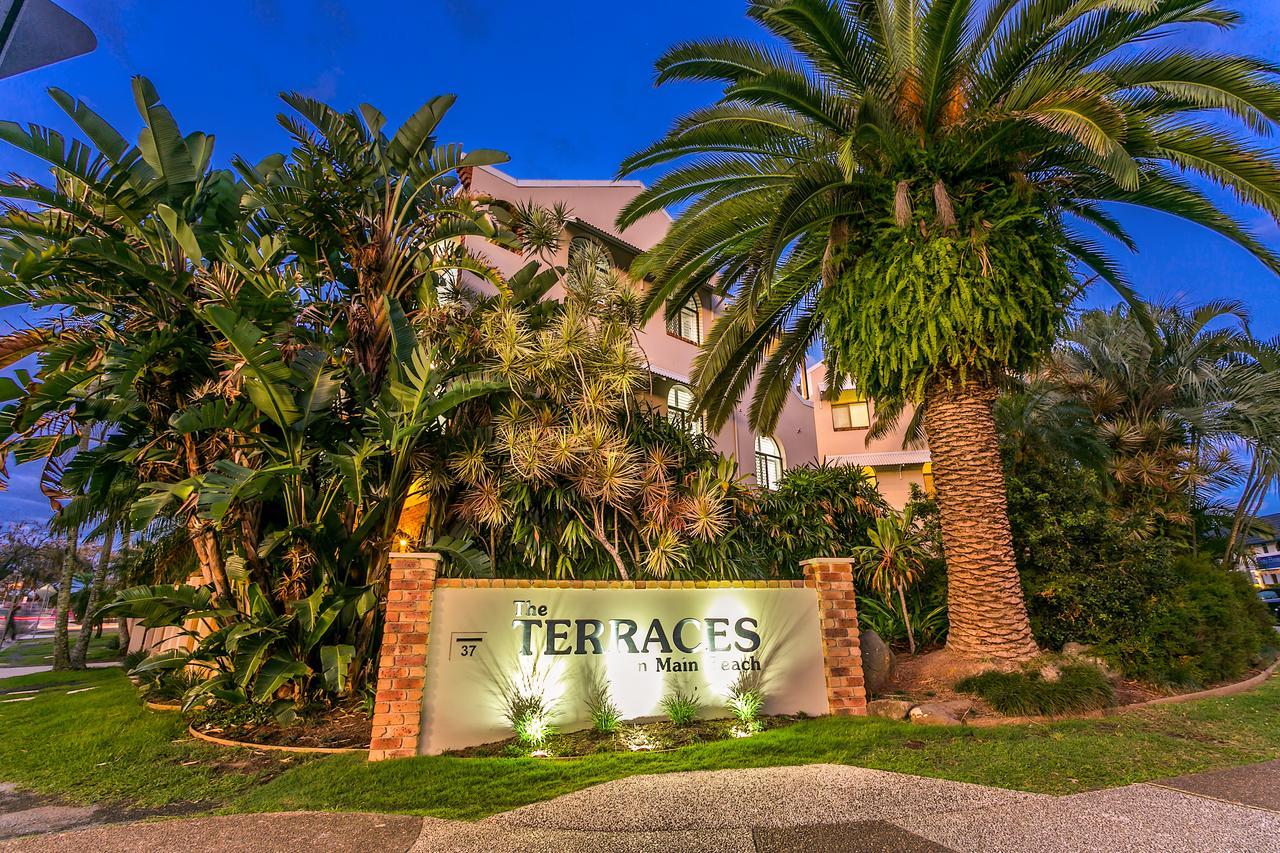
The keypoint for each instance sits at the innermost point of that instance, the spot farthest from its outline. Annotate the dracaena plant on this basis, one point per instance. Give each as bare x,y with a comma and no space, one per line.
912,183
571,473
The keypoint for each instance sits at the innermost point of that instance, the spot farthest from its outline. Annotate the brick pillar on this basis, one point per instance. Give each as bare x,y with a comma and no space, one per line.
832,577
402,667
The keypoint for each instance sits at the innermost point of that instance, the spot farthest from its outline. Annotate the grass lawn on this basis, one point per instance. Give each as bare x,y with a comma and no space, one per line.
101,745
40,652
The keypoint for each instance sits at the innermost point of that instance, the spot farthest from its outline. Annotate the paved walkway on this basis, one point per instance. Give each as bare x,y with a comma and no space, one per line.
818,807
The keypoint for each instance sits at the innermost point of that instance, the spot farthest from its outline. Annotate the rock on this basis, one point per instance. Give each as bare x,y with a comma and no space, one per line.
934,714
1050,672
957,707
1075,650
878,661
892,709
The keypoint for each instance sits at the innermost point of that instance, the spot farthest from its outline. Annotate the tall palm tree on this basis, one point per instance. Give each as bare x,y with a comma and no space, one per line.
911,183
1175,409
112,250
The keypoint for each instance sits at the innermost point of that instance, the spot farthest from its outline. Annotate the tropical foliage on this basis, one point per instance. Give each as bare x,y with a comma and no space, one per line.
894,560
252,373
1120,457
261,377
912,183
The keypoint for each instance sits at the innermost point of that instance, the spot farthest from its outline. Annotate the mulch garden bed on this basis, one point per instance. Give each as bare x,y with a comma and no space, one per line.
931,678
344,727
657,736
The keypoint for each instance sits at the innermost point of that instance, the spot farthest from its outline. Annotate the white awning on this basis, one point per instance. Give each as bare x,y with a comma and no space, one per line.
669,374
881,460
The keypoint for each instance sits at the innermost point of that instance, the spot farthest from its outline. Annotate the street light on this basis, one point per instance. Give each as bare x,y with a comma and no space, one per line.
36,33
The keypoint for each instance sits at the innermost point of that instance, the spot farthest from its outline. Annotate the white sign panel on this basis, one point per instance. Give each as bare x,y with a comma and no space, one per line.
486,643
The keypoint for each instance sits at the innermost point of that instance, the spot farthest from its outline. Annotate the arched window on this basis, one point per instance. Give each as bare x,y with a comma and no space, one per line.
768,462
686,324
680,409
927,472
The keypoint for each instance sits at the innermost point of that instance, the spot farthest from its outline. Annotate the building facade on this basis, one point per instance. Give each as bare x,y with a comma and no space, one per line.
811,429
842,420
669,348
1263,560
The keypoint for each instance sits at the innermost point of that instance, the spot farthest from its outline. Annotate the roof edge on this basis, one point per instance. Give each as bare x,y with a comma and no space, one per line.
553,182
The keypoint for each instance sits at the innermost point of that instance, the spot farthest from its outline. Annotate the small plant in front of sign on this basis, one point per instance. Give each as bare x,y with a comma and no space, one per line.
637,739
746,699
682,707
605,716
530,719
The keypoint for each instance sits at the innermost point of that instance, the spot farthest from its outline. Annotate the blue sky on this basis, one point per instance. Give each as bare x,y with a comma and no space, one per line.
565,88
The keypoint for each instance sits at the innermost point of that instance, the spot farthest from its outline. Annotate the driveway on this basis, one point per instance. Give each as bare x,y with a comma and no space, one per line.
818,807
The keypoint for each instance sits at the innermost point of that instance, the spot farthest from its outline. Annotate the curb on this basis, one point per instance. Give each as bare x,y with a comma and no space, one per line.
311,750
162,706
1225,690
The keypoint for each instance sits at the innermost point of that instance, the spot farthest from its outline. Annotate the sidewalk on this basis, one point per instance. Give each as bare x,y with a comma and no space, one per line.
15,671
818,807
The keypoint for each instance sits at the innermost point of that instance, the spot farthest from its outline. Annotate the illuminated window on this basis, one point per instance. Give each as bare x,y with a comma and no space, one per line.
850,415
871,475
927,470
680,409
768,462
687,323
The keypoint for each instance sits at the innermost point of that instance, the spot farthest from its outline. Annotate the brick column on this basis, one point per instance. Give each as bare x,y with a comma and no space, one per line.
402,667
832,577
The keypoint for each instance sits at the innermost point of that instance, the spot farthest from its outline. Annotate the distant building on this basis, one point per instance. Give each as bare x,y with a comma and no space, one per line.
841,427
1263,558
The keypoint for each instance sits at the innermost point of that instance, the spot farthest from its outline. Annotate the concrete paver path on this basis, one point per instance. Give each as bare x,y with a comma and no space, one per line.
817,807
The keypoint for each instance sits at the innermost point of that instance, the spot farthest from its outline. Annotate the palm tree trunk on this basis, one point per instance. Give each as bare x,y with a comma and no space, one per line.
81,650
62,608
987,612
204,541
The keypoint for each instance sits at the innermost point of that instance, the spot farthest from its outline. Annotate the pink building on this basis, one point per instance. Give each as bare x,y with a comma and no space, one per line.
841,426
810,430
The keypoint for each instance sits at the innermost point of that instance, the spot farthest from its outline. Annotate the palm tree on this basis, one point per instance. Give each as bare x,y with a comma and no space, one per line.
1176,409
114,250
910,183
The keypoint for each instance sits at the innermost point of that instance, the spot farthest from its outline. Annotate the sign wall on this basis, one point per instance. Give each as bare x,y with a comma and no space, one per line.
488,643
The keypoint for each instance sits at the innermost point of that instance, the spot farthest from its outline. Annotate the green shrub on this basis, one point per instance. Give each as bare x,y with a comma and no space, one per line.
1090,578
746,699
682,707
529,718
1208,626
605,716
816,511
1079,687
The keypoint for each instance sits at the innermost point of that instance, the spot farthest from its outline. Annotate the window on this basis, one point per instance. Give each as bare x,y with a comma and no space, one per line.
680,409
580,246
872,479
802,383
687,323
768,462
927,471
850,415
